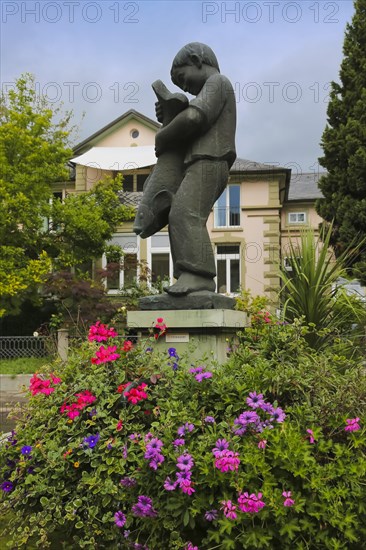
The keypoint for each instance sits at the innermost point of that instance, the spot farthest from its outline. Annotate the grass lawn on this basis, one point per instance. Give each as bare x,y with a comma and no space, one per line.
23,365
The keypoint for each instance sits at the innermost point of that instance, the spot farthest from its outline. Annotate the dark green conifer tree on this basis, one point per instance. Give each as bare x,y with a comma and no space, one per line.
344,146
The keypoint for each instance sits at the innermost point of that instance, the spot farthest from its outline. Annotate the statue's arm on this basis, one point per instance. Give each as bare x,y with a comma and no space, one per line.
186,125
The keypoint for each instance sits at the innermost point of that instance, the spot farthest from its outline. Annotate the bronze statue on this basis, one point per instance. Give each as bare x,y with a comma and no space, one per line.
200,136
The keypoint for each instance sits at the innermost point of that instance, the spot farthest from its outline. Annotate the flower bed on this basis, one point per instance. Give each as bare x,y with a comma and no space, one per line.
126,448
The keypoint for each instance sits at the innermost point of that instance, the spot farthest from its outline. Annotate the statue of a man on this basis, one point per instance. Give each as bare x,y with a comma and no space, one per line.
203,133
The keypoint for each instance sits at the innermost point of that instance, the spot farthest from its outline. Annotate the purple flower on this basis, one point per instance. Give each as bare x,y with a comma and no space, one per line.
178,442
202,376
196,370
211,515
7,486
186,427
156,461
185,462
267,407
124,452
221,445
247,417
255,400
26,450
172,352
144,508
154,444
12,438
169,485
119,519
128,482
278,415
184,475
92,440
209,419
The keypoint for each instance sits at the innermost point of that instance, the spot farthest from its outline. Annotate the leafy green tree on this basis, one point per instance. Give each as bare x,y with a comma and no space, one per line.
344,146
34,149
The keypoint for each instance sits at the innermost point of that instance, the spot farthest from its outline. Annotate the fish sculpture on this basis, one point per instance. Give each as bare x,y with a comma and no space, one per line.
161,185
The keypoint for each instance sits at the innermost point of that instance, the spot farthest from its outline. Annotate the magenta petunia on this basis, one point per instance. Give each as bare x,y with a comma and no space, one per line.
288,502
352,425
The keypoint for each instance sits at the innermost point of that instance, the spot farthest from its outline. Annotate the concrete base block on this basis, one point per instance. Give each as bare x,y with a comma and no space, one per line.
201,332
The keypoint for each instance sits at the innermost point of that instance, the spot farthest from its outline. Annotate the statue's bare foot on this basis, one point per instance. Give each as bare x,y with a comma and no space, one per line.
190,282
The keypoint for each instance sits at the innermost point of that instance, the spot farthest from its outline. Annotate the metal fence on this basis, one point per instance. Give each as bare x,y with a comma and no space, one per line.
12,347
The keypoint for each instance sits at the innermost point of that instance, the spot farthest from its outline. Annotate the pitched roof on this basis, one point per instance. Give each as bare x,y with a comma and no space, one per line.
304,187
245,165
91,140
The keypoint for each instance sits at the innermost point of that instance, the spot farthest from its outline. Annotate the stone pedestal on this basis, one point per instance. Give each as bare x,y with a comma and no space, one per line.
199,331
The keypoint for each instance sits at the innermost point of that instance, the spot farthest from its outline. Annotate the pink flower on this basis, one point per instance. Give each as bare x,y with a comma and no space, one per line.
100,332
250,503
191,547
288,501
228,460
160,326
352,425
229,509
104,355
134,395
186,486
84,398
262,444
127,345
40,385
55,380
311,436
119,425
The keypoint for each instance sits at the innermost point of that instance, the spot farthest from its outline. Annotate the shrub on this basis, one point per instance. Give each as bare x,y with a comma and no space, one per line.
140,450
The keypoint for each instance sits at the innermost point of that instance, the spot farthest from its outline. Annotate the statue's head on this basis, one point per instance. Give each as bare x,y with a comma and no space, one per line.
192,65
193,51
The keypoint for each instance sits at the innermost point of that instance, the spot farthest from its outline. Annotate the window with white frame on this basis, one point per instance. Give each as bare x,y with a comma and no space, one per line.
159,258
122,270
288,262
227,207
297,217
228,268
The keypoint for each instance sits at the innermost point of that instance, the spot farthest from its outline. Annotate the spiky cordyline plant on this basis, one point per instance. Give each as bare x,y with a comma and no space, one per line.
312,290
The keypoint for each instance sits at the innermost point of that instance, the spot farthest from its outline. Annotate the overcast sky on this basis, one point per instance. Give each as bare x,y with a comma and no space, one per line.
101,57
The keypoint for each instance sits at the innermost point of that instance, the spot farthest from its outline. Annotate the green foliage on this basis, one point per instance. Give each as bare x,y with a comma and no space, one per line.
33,154
34,151
251,305
312,290
83,222
344,146
74,491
